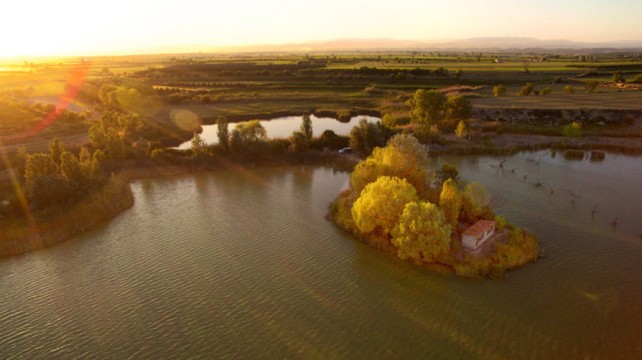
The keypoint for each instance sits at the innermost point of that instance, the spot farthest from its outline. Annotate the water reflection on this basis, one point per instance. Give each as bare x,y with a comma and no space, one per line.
284,126
243,264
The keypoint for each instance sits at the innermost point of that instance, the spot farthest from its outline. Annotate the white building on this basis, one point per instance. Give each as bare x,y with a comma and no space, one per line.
477,234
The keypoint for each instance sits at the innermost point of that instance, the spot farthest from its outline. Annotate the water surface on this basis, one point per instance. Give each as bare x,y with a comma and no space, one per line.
242,264
284,126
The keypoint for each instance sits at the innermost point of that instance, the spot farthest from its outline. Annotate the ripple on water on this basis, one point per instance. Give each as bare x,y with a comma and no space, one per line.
243,264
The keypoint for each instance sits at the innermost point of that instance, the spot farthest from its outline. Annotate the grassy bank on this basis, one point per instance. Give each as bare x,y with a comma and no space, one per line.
53,226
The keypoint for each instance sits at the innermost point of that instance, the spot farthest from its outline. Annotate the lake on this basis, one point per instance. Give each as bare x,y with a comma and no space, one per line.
284,126
242,264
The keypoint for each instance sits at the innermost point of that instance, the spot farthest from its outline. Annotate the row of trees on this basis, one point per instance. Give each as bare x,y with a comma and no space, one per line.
59,176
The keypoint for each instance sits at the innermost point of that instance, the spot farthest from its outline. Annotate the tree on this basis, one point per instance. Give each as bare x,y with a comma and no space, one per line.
573,129
545,91
84,154
427,107
247,136
458,108
331,140
381,203
527,89
115,147
223,133
459,73
70,169
462,130
56,148
568,89
43,184
39,165
250,132
450,201
446,172
306,128
142,147
298,142
618,78
366,136
421,233
403,157
591,85
97,136
475,200
199,146
499,90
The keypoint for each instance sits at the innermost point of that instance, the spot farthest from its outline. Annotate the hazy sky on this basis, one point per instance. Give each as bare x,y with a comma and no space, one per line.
66,27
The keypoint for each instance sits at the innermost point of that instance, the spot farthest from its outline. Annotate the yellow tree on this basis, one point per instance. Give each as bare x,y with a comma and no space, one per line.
422,234
475,200
450,201
403,157
381,203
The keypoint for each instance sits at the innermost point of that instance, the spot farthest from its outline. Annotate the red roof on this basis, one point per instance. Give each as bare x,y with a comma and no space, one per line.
479,228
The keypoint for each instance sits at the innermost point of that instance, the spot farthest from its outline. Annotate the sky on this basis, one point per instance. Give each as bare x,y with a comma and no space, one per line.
89,27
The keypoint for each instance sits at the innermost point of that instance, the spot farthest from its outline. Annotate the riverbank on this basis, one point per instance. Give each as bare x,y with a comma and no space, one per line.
50,227
503,144
53,226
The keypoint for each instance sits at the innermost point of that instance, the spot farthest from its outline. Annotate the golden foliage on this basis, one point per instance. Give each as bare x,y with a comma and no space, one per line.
450,201
381,203
421,234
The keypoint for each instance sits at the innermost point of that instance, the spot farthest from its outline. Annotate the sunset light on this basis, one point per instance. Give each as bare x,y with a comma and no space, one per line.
74,27
305,179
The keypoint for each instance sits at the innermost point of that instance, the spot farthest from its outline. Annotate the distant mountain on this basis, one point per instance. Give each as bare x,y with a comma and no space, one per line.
471,44
474,44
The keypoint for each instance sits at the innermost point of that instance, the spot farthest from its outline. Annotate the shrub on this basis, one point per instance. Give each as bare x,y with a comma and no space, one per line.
526,90
573,129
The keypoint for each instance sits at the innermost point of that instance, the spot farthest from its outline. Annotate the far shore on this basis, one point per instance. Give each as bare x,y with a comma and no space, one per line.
500,145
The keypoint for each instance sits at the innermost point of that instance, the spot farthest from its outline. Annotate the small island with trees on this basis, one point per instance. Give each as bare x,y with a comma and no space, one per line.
393,204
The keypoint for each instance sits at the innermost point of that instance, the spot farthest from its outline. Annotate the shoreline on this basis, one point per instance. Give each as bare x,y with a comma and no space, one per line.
45,234
50,227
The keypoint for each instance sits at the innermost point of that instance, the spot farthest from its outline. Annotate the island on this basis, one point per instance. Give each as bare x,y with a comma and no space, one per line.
393,204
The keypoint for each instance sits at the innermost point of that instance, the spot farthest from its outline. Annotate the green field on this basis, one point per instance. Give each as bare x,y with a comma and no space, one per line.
243,86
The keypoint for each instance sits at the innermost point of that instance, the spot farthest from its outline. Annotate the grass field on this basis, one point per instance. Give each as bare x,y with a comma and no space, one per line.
242,86
630,100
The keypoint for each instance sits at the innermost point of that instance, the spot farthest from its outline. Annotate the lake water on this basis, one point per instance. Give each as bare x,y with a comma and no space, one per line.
284,126
242,264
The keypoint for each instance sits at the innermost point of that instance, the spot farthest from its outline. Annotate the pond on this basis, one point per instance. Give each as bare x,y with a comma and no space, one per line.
283,127
242,264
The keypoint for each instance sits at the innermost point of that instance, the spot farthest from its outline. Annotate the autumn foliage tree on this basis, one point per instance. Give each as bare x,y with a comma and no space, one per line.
450,201
421,234
475,201
403,157
381,203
